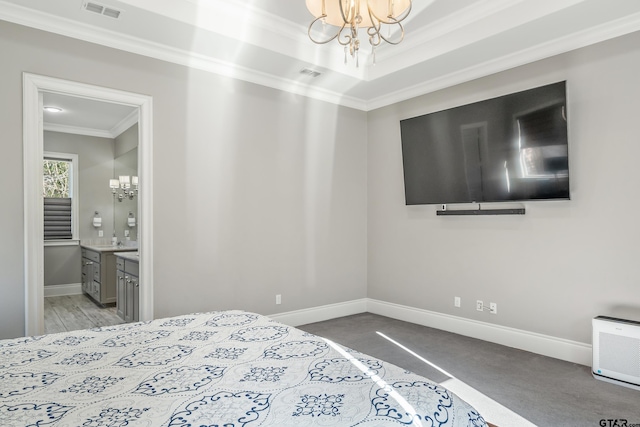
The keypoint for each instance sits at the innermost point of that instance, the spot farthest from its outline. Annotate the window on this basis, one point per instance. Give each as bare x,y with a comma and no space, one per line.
60,196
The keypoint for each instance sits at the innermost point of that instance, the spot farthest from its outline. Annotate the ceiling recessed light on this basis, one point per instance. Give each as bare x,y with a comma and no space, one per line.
53,109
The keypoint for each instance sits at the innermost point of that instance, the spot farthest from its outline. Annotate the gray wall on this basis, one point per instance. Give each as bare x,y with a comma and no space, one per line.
62,265
256,192
553,269
95,168
127,141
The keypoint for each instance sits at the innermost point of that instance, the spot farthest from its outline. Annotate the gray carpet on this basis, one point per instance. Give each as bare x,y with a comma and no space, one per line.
543,390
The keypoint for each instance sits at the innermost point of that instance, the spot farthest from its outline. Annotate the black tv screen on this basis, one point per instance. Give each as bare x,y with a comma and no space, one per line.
510,148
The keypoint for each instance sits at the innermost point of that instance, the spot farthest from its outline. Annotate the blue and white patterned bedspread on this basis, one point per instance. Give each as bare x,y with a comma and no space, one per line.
229,368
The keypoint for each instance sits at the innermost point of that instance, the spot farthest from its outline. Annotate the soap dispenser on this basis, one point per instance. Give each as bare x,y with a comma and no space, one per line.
114,239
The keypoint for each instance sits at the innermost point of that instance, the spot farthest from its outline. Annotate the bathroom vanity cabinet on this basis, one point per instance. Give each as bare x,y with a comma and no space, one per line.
128,288
99,270
98,275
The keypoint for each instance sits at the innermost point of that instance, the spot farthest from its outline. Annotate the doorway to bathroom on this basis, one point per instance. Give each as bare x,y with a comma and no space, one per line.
36,90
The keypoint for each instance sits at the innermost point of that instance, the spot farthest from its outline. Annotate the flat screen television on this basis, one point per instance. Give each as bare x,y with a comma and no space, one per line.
505,149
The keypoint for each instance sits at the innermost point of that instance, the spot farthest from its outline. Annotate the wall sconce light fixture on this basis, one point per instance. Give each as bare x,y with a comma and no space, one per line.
122,187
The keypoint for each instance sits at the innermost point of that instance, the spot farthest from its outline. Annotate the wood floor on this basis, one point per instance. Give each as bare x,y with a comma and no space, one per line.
74,312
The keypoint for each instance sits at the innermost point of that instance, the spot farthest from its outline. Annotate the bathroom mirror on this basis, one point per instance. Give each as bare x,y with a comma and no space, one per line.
125,212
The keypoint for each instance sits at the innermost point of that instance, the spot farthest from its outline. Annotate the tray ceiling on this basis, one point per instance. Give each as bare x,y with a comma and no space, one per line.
447,42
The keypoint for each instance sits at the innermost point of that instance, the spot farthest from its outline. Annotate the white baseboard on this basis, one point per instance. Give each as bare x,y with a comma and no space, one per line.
62,290
321,313
559,348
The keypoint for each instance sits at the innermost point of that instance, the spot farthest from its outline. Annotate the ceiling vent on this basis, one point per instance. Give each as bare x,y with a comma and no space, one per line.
101,9
309,72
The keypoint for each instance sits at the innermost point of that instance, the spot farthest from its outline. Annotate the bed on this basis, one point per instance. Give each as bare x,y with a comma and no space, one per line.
230,368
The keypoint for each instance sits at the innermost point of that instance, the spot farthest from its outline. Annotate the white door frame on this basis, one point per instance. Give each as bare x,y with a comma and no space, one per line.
33,87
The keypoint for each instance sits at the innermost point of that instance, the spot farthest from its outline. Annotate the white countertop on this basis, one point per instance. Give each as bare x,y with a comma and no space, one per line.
131,256
109,248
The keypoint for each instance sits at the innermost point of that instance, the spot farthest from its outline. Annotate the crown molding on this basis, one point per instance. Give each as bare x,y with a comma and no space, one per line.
268,31
114,132
46,22
77,130
470,14
125,124
565,44
69,28
431,41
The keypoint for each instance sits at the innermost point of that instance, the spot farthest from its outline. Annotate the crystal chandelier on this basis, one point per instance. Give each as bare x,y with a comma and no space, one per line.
348,16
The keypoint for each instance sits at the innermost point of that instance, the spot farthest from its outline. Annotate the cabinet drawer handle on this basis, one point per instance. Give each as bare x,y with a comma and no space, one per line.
137,285
88,263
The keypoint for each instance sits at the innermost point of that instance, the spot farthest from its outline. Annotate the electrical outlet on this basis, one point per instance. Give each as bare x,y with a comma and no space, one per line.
456,301
278,299
479,305
126,233
100,233
493,308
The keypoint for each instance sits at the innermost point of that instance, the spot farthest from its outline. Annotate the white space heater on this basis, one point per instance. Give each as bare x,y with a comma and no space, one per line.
616,351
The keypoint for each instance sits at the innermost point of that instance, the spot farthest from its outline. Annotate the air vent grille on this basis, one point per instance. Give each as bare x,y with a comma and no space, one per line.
101,9
112,13
309,72
92,7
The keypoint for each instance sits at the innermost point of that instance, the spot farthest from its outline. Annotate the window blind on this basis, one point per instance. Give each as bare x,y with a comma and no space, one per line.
57,218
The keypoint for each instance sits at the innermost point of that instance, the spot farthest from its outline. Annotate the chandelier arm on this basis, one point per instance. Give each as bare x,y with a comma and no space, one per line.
374,32
391,41
374,36
391,19
345,37
345,18
327,40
